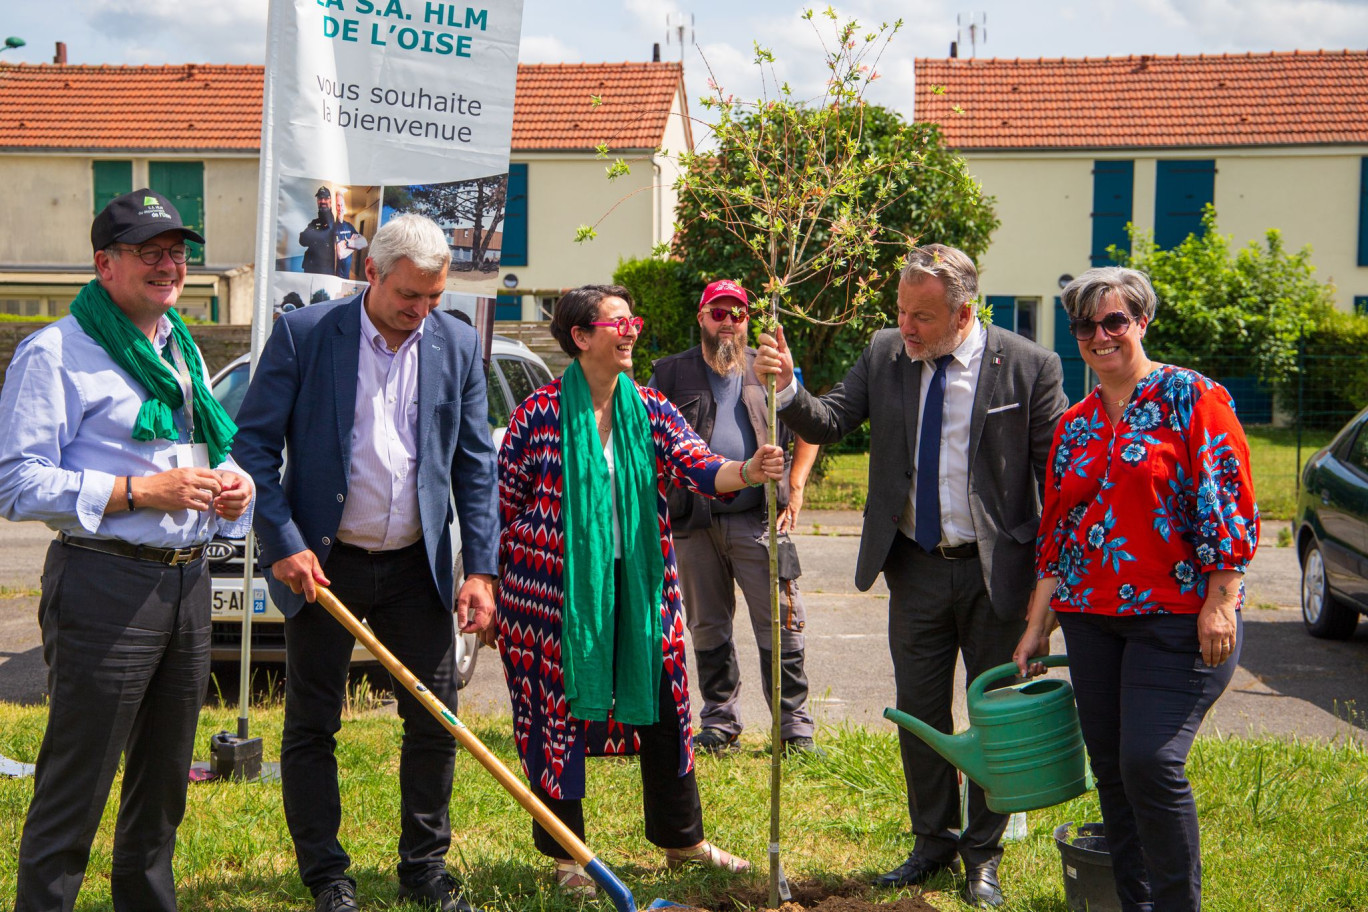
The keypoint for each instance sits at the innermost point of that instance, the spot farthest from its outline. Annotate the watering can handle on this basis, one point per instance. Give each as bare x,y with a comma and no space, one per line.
1009,670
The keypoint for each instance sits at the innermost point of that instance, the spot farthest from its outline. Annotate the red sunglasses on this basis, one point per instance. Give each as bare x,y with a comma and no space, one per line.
623,324
737,314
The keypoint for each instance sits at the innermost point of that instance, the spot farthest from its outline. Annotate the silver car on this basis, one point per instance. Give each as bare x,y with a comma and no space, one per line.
514,372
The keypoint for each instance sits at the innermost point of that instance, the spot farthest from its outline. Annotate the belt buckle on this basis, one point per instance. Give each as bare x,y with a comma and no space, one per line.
181,556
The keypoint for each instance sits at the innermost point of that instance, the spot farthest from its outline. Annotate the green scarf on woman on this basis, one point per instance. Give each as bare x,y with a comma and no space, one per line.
103,321
611,651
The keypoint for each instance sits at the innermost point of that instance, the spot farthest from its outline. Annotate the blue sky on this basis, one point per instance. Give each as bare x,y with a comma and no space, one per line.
721,35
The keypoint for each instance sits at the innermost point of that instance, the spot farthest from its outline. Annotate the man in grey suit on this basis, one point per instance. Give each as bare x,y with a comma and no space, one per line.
961,417
380,402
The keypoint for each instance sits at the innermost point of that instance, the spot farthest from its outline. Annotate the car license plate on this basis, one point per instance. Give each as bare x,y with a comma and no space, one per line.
228,601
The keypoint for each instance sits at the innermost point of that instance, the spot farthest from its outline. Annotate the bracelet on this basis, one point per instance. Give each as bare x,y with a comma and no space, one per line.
128,493
746,481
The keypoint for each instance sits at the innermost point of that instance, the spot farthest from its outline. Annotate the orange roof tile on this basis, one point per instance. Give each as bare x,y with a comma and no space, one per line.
554,110
203,107
1292,98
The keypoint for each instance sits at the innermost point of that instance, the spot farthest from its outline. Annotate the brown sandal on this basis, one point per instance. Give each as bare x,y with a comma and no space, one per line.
574,880
705,853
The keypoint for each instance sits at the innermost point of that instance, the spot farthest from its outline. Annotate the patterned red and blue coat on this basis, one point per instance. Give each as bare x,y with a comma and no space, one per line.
551,744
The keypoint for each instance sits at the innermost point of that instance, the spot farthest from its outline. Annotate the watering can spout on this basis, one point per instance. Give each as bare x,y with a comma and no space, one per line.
963,751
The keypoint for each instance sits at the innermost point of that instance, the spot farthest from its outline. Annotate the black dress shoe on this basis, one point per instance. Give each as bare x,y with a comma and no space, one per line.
981,888
916,870
441,892
338,896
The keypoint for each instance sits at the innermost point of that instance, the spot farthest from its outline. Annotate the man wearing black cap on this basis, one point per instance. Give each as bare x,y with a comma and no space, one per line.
113,440
319,237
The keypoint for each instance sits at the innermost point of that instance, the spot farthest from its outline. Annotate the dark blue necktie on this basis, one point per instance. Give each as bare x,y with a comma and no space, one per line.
927,533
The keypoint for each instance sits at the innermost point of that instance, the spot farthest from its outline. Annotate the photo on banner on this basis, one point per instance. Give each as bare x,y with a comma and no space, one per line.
373,109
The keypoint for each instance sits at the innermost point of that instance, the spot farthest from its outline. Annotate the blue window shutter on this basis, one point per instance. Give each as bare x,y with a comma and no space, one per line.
1363,212
1361,305
1004,311
1181,189
514,251
1066,346
1113,198
508,307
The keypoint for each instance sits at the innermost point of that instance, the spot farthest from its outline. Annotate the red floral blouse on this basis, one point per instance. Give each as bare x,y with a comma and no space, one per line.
1137,514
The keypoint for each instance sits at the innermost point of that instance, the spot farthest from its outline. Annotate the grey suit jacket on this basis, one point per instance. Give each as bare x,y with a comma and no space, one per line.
1017,403
303,397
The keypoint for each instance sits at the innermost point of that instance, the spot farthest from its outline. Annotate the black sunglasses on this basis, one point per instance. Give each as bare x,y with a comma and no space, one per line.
1113,324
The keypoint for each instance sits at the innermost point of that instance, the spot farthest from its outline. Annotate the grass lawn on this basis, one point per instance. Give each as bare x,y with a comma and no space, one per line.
1282,825
1272,452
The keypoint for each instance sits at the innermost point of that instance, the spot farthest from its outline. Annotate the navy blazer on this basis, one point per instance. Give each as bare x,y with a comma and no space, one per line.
302,402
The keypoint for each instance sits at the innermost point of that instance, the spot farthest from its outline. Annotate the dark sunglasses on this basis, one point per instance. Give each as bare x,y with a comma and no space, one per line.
1113,324
151,254
737,314
623,324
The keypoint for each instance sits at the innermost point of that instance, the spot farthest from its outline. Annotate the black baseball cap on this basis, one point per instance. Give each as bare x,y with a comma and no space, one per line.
135,217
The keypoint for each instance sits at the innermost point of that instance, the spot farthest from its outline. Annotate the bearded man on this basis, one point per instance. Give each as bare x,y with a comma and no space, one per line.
722,545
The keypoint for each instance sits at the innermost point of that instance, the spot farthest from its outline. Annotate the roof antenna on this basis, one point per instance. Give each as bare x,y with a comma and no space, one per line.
977,27
679,29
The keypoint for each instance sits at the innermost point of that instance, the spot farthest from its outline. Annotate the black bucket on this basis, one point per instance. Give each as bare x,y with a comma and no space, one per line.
1088,883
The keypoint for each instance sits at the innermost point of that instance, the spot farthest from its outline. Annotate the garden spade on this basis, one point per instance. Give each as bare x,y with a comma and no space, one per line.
622,898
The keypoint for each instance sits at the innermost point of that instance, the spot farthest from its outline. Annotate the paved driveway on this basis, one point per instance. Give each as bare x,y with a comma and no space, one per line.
1287,683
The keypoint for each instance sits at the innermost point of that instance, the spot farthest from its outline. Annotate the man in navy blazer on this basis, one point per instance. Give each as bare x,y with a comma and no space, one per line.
379,402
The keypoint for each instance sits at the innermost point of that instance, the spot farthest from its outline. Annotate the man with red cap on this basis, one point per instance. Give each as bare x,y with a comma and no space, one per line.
722,545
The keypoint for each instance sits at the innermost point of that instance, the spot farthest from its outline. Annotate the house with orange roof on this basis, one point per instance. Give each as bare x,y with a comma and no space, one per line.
1074,150
74,137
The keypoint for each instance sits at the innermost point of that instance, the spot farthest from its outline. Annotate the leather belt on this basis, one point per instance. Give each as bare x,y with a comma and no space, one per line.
956,552
172,557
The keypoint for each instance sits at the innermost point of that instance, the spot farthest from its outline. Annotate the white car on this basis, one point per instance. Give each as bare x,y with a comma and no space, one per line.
514,372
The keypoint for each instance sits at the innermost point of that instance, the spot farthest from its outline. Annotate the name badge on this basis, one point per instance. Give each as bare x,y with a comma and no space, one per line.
191,455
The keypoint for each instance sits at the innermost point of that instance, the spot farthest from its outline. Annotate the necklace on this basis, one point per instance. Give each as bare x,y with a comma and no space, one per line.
393,348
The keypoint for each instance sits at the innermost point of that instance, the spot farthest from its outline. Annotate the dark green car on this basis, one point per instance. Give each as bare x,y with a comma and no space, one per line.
1332,533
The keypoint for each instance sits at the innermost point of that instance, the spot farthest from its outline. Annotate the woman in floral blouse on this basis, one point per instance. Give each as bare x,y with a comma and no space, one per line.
1148,525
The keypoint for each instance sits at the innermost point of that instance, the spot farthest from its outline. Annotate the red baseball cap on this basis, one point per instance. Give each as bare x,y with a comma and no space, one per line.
723,288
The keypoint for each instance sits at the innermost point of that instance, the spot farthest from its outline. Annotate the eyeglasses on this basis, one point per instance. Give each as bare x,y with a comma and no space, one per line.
152,254
1113,324
623,324
737,314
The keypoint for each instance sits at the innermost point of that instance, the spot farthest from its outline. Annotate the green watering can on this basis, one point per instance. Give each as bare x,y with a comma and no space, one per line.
1023,745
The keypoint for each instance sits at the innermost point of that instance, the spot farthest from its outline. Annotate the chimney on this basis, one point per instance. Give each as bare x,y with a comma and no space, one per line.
954,49
655,52
59,58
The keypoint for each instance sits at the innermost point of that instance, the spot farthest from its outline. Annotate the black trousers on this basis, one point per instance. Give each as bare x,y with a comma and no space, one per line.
1142,691
126,643
395,594
674,816
938,608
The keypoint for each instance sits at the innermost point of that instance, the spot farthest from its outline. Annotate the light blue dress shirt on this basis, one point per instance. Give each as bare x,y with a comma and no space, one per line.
66,418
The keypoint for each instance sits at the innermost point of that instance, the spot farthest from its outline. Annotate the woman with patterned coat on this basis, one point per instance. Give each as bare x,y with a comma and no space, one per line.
590,623
1148,525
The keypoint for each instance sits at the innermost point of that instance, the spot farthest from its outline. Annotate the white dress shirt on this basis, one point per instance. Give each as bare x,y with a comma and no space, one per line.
381,509
67,414
961,381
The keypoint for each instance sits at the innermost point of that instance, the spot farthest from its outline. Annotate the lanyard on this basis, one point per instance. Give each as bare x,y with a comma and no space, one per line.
187,387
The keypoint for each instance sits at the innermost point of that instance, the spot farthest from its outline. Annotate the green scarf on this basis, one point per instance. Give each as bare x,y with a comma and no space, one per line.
103,321
610,646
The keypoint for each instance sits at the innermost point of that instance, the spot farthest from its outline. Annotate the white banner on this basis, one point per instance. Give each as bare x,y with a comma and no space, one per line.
373,108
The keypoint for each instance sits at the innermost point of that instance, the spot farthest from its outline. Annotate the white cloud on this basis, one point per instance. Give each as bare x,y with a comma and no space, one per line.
181,32
546,49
